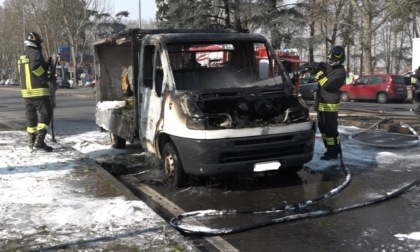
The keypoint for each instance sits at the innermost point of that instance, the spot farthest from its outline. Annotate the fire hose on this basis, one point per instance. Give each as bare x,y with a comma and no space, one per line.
301,209
405,144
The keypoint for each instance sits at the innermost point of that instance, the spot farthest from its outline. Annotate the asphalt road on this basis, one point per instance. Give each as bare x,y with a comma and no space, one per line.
74,113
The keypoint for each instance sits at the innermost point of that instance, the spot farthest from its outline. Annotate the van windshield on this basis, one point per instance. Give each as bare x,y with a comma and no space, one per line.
237,64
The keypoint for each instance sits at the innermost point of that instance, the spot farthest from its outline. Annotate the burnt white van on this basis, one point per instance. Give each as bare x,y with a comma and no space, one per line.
203,102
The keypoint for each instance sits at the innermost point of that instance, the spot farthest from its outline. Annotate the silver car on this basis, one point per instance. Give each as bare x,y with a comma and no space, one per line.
12,82
308,87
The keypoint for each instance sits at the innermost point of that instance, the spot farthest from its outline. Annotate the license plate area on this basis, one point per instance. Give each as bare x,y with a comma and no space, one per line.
267,166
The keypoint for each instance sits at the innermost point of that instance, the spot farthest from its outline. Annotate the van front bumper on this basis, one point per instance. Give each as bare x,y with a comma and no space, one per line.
239,155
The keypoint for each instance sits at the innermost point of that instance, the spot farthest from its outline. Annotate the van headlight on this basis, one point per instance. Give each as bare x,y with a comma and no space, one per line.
196,123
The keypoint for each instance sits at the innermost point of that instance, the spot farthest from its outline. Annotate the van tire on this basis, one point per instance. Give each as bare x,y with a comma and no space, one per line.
382,98
172,167
118,142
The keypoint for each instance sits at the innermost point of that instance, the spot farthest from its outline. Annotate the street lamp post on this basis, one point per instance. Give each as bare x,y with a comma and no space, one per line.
140,14
23,22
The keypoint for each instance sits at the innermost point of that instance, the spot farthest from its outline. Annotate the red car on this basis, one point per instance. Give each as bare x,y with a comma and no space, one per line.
380,87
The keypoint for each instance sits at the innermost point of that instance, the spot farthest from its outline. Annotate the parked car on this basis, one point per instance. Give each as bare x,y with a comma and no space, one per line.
2,82
87,82
12,82
308,87
380,87
63,84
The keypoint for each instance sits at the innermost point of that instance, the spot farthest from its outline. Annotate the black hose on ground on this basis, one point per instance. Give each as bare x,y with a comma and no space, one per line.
198,229
194,229
177,222
405,144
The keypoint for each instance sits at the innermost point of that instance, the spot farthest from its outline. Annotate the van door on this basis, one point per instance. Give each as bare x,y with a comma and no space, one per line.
150,106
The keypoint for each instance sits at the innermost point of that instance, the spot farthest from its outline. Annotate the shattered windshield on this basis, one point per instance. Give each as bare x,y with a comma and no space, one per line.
237,64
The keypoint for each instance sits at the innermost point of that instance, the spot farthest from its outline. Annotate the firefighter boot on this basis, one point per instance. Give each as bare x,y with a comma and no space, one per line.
332,153
329,156
31,140
39,141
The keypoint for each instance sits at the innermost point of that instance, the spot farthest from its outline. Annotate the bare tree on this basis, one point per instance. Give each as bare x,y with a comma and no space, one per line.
58,21
303,24
311,13
12,33
373,15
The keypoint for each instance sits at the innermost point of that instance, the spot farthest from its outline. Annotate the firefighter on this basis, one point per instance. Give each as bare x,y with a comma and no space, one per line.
36,84
331,77
415,89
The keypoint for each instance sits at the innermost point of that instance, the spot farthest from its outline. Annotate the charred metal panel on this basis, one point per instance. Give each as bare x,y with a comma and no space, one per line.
115,118
234,115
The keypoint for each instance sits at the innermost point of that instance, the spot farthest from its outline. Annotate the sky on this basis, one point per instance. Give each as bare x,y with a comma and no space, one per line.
45,202
148,8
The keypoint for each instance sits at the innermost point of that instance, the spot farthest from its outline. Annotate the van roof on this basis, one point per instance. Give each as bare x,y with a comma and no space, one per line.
202,37
181,35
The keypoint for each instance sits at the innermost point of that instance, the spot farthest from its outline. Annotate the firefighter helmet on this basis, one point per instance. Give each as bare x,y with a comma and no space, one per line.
336,56
34,38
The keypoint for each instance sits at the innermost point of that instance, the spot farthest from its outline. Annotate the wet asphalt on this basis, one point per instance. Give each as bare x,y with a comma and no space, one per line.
370,228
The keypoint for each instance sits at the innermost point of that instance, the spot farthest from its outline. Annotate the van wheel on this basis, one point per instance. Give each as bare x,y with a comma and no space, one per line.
345,97
118,142
382,98
172,167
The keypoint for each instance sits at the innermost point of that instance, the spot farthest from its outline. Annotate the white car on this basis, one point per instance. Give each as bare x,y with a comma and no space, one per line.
88,82
12,82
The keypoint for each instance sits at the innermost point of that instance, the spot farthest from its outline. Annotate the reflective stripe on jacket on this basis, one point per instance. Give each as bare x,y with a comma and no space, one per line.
33,74
329,107
330,80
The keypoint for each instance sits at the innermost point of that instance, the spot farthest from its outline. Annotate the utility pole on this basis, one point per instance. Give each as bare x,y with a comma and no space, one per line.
23,22
140,14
